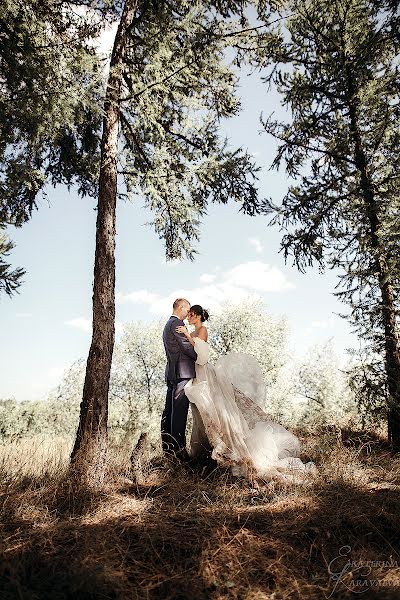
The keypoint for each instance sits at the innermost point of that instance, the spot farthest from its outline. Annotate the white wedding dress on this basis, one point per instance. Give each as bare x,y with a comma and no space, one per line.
228,421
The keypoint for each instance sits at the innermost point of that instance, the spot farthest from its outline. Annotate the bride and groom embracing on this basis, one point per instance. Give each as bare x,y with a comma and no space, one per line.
228,422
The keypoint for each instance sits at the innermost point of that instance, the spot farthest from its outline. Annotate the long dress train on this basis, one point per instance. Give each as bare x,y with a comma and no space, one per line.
228,421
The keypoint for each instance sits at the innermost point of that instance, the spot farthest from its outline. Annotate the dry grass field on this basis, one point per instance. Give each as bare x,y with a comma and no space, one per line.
180,531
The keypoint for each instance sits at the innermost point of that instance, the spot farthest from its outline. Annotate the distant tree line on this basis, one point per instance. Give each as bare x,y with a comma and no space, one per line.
309,391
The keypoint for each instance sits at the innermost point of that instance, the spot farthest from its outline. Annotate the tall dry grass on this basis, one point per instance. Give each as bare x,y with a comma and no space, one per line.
37,457
180,531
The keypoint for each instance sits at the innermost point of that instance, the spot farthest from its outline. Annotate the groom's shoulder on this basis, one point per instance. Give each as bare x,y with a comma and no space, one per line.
168,323
171,321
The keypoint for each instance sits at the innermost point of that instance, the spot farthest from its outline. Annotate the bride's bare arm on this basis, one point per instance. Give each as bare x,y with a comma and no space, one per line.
202,333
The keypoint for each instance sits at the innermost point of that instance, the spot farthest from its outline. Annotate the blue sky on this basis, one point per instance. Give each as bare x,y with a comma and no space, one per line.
47,326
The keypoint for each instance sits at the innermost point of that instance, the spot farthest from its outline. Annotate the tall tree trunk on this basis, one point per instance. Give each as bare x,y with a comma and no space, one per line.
388,311
89,453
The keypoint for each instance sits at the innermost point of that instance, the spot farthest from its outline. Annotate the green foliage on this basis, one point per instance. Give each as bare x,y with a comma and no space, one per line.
327,208
9,280
248,328
178,87
50,113
137,383
368,383
324,387
49,108
22,419
138,375
64,403
337,69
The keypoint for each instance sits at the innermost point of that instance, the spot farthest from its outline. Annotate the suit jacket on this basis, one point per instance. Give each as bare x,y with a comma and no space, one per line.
180,353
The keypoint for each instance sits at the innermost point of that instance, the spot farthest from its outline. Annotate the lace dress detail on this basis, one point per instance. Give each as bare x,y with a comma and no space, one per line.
228,421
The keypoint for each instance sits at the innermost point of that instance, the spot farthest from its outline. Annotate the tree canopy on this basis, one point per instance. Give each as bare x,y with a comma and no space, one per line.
49,106
337,68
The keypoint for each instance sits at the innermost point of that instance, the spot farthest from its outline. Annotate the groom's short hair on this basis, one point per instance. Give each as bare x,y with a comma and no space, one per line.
178,302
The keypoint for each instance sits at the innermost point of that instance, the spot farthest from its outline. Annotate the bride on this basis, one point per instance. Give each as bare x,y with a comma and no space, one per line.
227,418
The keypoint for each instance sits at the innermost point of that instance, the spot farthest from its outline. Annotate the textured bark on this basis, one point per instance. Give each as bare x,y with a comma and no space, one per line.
90,450
137,457
388,312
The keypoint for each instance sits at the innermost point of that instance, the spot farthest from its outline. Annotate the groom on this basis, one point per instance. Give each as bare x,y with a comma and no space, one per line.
179,370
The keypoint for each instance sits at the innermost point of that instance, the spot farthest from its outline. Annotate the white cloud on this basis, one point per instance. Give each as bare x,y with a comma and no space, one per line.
257,245
207,278
246,280
257,276
139,297
323,327
324,324
23,315
86,325
80,323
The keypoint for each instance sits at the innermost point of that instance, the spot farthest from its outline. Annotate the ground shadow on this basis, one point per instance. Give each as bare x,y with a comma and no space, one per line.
204,535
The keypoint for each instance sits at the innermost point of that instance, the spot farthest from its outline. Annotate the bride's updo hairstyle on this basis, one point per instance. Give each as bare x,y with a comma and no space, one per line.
196,309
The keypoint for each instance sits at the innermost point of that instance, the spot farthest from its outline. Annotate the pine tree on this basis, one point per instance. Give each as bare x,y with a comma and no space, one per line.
49,110
168,88
153,121
9,280
337,69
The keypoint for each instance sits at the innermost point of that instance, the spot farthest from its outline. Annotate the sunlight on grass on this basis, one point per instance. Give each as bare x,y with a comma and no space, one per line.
37,456
173,530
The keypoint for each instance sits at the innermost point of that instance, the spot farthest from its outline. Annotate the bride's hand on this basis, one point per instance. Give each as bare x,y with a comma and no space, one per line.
182,329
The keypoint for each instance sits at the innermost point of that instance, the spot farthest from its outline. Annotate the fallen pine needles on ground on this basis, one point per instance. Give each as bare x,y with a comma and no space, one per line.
181,531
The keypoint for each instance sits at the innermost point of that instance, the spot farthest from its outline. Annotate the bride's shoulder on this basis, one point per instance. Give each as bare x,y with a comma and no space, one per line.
203,333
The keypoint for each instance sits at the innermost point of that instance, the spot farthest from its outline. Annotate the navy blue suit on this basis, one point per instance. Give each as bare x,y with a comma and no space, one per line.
179,370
